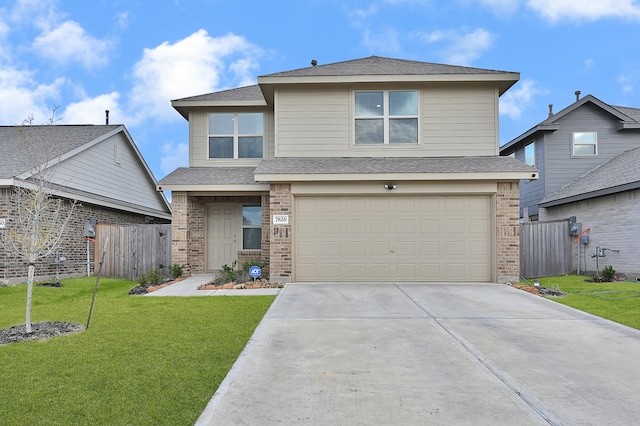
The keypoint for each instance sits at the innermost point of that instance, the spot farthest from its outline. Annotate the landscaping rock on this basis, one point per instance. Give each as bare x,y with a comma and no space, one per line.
138,290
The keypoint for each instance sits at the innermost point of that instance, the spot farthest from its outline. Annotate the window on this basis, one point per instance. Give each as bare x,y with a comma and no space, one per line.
251,227
530,154
585,143
386,117
235,135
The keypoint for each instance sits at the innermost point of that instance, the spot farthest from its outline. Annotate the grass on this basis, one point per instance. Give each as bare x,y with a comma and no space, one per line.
618,301
143,360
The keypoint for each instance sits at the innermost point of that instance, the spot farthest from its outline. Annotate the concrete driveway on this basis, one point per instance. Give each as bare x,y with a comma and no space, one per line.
429,354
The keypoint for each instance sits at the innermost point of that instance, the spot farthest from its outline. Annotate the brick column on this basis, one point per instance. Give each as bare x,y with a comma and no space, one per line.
196,235
179,231
508,232
281,244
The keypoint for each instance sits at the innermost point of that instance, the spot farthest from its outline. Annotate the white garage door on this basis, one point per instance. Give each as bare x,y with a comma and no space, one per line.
425,238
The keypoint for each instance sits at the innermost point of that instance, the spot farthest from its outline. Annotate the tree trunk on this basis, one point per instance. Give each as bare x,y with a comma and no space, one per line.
29,295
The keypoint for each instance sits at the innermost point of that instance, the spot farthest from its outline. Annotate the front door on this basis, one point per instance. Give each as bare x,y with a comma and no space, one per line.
222,235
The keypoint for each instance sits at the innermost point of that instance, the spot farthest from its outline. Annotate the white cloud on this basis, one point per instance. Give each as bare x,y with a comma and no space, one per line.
194,65
462,47
514,102
92,111
22,97
174,156
585,10
69,42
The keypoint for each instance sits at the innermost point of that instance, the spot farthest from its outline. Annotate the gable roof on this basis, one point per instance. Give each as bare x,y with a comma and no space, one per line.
621,173
63,138
64,142
629,118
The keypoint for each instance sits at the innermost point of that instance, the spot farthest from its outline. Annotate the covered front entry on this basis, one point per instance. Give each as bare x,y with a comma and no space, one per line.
394,238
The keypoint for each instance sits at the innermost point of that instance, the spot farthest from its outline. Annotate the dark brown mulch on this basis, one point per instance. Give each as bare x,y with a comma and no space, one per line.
39,331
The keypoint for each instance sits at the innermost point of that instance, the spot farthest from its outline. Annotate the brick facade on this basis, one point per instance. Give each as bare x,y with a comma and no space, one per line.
508,232
189,233
13,269
281,249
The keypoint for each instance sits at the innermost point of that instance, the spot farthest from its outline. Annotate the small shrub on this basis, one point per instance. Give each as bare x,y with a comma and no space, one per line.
154,276
176,270
143,281
230,273
608,273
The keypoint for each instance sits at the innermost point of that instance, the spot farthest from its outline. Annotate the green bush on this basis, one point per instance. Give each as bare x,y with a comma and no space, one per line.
176,270
154,276
608,273
230,273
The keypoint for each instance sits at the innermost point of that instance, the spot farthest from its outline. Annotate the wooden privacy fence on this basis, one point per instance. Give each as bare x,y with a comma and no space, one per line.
545,249
133,250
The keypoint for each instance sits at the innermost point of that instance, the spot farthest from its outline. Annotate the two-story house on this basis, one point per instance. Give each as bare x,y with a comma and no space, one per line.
588,156
373,169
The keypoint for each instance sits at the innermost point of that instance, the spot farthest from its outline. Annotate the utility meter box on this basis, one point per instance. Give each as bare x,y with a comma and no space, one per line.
575,229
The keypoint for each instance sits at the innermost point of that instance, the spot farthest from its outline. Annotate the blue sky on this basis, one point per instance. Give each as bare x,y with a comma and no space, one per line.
132,57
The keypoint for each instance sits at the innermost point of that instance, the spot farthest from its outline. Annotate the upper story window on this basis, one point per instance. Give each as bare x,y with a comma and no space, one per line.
585,143
386,117
236,135
530,154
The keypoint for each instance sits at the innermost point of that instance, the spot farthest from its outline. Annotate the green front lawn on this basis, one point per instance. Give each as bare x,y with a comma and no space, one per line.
143,360
617,301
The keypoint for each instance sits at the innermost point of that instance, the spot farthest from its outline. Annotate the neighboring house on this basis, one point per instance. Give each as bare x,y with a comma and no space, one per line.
374,169
588,159
97,165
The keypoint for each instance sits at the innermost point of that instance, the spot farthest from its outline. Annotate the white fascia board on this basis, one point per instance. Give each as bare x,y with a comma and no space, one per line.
261,187
6,182
494,176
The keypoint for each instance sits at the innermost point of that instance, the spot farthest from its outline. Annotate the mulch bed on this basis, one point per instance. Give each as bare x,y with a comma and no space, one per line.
39,331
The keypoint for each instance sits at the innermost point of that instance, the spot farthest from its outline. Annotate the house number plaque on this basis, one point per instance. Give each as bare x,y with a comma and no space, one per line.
280,219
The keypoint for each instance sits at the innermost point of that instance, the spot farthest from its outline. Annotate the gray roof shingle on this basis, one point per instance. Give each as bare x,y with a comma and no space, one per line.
247,93
376,65
210,176
620,172
60,139
375,165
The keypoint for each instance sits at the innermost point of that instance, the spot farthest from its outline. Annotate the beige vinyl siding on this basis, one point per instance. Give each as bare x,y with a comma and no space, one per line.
457,119
95,171
199,141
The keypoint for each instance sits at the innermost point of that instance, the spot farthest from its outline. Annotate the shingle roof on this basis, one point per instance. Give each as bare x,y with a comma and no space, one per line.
633,113
369,165
59,138
619,173
376,65
210,176
247,93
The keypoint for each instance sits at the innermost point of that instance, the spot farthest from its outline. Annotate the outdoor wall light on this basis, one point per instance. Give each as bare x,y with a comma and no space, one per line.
390,186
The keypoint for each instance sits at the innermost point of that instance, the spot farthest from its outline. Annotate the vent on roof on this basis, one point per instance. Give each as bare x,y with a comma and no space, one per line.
314,62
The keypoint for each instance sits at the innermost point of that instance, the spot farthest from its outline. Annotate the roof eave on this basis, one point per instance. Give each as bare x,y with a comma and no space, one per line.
592,194
531,133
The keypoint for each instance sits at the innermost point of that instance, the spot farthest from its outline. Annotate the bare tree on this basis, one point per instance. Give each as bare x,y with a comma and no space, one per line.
40,217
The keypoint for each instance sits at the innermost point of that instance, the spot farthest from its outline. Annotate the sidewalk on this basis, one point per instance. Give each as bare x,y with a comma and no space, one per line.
188,287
